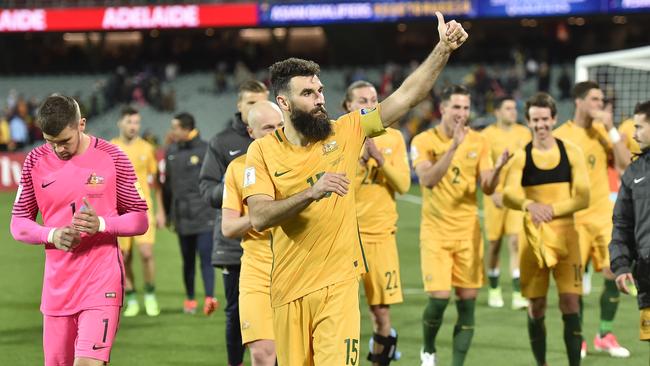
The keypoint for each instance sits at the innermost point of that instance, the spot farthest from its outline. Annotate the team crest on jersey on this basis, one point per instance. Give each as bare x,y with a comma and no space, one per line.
94,179
329,147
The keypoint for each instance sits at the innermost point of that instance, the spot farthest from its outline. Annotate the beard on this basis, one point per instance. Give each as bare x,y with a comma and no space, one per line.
314,125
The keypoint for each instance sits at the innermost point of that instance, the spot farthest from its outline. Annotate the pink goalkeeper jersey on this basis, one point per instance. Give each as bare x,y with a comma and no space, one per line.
90,275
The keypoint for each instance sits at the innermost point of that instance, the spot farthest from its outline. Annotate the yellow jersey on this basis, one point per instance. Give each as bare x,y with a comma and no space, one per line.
320,246
376,207
257,246
627,128
597,149
143,157
512,139
449,209
556,177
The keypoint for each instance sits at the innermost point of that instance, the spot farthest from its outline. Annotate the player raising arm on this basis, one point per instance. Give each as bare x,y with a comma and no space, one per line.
298,180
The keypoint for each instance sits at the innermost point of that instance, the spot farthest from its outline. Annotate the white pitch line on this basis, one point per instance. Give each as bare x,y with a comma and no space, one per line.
417,200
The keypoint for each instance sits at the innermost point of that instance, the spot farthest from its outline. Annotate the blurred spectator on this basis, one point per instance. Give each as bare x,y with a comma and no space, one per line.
220,82
5,134
544,78
242,73
19,132
564,84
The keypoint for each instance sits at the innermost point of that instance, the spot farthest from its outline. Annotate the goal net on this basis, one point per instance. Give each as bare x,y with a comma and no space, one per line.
624,76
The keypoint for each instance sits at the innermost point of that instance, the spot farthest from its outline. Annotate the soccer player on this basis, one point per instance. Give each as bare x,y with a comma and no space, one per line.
383,171
297,181
142,157
449,161
630,234
223,148
503,224
627,129
548,181
192,217
88,195
593,131
255,312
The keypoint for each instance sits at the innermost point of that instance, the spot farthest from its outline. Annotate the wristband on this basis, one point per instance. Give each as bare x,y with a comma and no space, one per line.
50,236
102,224
614,135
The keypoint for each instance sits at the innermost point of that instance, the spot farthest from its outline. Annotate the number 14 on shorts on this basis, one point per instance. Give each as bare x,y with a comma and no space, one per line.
352,351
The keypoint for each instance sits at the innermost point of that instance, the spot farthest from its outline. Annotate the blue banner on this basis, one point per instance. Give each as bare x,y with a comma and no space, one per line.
527,8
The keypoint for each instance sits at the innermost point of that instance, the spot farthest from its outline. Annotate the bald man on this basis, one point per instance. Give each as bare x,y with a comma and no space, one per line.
255,313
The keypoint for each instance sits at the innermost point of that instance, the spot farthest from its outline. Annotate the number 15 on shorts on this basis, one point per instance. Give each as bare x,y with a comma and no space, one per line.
352,351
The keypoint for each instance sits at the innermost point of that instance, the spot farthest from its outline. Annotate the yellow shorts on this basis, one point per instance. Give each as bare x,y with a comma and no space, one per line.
255,312
382,282
644,325
320,329
567,272
149,237
447,263
501,221
594,242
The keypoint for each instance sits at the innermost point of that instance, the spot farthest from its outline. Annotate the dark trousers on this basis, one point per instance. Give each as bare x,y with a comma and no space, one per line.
233,331
190,244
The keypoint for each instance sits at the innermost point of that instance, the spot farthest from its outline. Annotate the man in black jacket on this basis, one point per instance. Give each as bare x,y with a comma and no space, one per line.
630,247
224,147
193,219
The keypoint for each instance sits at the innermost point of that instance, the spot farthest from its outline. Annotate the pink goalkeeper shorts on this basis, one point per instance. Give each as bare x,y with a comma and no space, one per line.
88,333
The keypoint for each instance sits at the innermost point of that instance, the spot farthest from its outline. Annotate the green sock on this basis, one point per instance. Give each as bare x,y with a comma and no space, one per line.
537,336
149,288
516,284
431,322
572,337
494,281
463,331
130,295
609,300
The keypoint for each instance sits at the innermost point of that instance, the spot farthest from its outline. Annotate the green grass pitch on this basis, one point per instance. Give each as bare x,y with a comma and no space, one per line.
174,338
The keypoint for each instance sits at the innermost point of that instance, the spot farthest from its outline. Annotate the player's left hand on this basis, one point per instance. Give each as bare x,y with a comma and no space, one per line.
374,152
540,213
86,219
451,34
497,199
503,159
605,116
621,283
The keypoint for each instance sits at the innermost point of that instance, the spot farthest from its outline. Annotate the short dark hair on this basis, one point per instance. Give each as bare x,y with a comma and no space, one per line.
253,86
541,100
581,89
451,90
128,110
283,71
56,113
355,85
186,120
643,108
498,102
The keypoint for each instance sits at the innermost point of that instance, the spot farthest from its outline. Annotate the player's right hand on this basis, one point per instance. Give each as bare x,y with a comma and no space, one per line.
451,34
497,199
459,135
66,238
540,213
621,283
330,182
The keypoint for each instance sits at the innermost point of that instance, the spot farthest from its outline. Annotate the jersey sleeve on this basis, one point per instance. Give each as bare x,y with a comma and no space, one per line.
626,129
419,150
257,179
130,197
485,158
371,123
579,184
396,168
358,125
513,193
152,164
232,197
25,204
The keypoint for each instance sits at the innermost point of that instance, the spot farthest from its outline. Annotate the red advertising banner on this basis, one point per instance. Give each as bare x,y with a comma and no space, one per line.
129,18
11,165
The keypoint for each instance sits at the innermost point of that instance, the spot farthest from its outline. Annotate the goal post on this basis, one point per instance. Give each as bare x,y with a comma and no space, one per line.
623,75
